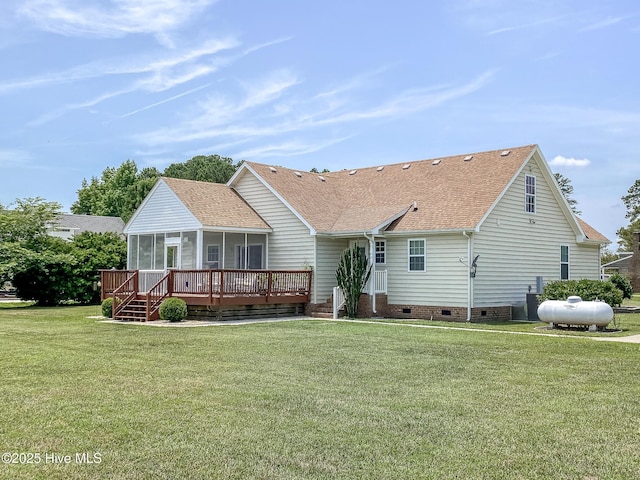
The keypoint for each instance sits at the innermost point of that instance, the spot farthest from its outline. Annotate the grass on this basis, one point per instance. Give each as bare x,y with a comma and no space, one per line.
312,399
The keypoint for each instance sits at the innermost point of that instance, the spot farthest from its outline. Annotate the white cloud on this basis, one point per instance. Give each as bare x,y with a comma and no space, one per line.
158,65
560,161
116,18
270,107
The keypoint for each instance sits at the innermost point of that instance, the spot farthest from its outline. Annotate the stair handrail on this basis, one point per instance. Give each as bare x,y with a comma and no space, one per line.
126,292
338,301
157,293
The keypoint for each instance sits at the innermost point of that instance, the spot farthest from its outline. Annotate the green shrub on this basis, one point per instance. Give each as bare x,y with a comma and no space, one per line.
173,309
623,284
107,307
588,290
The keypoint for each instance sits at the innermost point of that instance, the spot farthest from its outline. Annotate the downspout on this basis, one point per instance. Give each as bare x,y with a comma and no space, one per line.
468,275
372,283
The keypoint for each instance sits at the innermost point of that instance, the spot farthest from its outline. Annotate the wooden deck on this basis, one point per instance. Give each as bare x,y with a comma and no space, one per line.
205,287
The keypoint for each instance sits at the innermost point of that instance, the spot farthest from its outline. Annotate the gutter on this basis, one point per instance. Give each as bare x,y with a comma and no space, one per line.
468,275
372,284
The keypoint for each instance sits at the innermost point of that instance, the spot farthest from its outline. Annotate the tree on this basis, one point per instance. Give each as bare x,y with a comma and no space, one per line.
117,193
120,191
567,190
50,270
94,252
632,202
23,230
210,168
352,275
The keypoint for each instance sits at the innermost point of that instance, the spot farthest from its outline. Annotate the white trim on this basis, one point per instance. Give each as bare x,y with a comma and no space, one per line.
207,261
567,263
384,252
533,196
409,256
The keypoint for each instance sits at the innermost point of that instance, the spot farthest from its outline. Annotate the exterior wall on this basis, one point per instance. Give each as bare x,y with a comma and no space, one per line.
290,245
443,283
635,263
162,212
515,246
328,251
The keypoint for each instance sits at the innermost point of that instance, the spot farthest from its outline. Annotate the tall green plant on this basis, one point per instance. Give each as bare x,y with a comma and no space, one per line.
352,275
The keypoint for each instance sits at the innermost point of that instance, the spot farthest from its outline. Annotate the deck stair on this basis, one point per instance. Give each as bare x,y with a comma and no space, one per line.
134,311
324,310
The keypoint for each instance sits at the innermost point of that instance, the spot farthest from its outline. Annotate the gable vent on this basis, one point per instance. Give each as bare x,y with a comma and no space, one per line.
505,153
436,162
379,169
273,169
406,166
353,172
468,157
321,178
298,174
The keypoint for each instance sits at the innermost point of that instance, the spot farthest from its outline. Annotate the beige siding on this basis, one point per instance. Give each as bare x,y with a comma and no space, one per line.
328,252
444,283
291,247
162,212
515,246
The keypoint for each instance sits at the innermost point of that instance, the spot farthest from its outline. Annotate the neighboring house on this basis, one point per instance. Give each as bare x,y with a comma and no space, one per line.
69,225
460,238
622,265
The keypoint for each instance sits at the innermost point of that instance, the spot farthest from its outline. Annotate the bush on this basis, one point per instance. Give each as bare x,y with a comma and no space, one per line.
588,290
173,309
107,307
623,284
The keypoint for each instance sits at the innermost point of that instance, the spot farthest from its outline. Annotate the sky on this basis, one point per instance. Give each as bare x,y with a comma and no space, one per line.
89,84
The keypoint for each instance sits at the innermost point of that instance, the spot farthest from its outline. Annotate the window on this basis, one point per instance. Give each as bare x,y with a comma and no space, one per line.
564,262
530,194
213,256
417,255
381,255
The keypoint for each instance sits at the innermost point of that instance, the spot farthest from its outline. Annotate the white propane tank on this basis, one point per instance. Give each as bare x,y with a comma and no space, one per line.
574,311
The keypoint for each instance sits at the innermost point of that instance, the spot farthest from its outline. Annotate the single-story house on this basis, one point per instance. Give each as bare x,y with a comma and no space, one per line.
461,238
68,225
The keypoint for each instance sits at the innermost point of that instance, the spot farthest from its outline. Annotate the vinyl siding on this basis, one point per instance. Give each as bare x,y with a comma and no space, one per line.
444,283
291,247
328,252
515,247
162,212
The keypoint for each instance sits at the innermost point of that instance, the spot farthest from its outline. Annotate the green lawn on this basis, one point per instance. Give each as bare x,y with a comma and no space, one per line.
312,399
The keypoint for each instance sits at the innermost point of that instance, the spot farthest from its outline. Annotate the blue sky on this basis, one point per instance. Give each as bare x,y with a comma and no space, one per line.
88,84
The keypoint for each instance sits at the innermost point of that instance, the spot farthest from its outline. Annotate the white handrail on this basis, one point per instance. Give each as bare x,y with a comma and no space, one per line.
338,301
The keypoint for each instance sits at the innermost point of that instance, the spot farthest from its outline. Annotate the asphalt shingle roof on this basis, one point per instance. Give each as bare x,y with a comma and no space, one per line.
215,204
450,193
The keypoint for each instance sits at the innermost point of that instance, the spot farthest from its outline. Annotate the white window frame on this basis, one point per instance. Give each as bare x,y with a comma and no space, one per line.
423,255
381,249
208,261
567,263
530,197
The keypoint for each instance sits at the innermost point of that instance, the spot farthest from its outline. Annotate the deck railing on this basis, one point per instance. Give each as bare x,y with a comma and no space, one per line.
125,293
214,285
